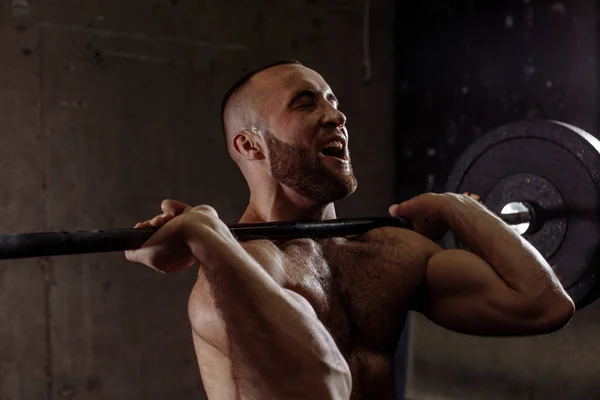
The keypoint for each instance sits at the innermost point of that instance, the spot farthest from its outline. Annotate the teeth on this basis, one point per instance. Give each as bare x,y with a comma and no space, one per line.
333,143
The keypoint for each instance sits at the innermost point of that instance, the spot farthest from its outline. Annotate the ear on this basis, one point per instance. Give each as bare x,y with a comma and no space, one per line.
248,145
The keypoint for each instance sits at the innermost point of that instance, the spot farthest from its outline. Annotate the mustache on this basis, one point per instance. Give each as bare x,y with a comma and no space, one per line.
274,143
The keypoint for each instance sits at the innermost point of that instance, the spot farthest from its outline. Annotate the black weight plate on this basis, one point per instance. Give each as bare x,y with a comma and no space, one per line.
555,166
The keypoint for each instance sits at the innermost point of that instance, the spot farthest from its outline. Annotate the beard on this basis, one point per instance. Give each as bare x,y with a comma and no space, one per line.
302,170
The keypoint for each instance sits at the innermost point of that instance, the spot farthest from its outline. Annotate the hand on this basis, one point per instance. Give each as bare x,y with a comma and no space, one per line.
166,250
170,208
427,212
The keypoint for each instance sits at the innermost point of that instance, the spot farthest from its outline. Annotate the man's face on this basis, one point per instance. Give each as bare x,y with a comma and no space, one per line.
307,140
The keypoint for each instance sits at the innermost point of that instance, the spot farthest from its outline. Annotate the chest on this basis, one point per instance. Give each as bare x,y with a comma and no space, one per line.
359,289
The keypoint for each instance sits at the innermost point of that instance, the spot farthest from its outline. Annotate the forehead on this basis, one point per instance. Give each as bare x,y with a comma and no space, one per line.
287,79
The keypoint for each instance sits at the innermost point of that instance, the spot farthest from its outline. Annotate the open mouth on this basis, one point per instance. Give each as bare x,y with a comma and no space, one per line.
335,149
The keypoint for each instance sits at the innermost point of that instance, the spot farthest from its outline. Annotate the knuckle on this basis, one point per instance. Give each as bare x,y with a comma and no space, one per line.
458,196
426,198
205,208
206,222
453,196
430,195
464,197
208,213
212,222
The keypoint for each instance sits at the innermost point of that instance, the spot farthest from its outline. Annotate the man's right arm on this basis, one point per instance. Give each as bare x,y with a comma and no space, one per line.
272,337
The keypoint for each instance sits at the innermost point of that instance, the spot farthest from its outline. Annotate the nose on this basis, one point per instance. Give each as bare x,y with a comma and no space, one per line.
334,118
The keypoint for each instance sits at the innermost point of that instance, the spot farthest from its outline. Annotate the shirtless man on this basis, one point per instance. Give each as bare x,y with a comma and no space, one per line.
320,319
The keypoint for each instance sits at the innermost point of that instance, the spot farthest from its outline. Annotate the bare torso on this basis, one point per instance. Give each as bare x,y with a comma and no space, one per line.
360,289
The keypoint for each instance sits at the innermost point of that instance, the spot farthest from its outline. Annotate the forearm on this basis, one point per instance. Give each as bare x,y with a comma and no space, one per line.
278,347
513,258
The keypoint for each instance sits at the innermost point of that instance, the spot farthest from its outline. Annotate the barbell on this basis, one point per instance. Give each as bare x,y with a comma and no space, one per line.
541,177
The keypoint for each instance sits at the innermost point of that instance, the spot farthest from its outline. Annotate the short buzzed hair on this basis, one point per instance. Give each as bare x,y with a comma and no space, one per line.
243,82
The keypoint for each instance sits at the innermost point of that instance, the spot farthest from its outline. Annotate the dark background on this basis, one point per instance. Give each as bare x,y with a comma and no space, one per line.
465,67
461,69
109,106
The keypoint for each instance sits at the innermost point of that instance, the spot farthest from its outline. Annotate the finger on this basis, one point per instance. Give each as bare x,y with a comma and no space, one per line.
423,204
474,196
142,256
145,224
401,210
206,209
160,220
131,255
393,210
174,207
136,256
154,222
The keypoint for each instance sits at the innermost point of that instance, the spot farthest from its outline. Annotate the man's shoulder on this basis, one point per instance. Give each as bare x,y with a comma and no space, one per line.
389,234
401,239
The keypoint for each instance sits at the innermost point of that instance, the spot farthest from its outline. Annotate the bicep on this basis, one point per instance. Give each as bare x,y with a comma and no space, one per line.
462,292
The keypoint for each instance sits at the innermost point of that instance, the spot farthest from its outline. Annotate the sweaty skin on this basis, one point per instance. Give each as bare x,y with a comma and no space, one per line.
360,289
348,297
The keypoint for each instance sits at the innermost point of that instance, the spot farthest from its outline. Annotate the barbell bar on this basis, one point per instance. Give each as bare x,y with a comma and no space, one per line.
28,245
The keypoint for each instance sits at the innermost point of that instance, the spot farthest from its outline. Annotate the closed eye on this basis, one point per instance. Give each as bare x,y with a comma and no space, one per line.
305,105
307,99
304,99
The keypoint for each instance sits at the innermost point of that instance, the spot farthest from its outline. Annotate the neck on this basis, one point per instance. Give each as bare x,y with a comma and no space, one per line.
283,204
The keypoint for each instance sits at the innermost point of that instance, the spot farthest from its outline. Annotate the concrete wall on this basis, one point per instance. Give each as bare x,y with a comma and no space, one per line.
106,108
464,68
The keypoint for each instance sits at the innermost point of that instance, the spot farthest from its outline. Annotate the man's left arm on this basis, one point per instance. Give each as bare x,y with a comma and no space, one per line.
502,287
